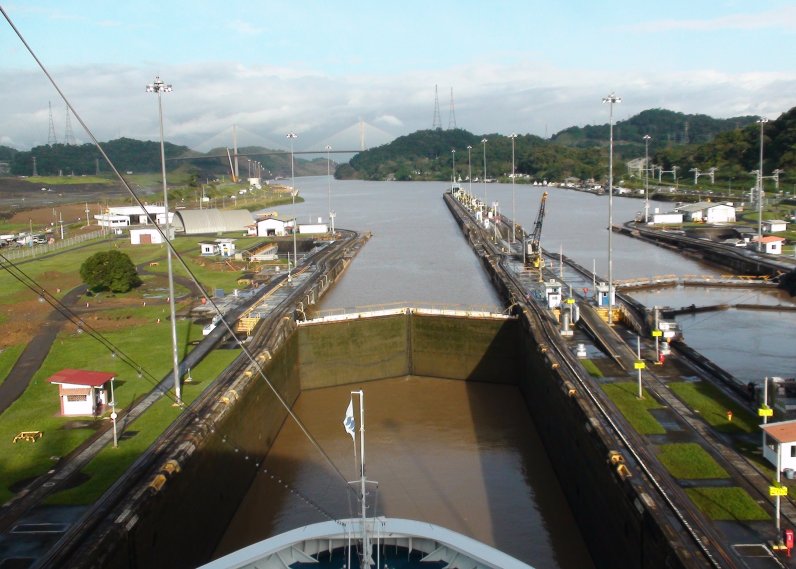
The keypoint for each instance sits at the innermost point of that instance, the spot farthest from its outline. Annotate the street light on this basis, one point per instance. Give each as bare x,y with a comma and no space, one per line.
470,169
159,87
292,136
329,180
483,141
647,138
611,100
762,121
513,136
113,416
453,168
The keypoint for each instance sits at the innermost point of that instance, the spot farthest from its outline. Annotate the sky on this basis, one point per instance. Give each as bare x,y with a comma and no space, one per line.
331,71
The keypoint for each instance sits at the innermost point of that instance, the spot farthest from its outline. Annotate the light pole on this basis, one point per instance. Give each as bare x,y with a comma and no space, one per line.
483,141
647,138
611,100
113,416
453,168
513,136
470,169
159,87
292,136
762,121
329,180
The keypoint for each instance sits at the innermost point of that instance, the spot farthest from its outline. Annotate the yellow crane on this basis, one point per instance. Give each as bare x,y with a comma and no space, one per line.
533,248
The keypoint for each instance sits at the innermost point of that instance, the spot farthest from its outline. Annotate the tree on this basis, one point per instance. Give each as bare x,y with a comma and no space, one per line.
109,270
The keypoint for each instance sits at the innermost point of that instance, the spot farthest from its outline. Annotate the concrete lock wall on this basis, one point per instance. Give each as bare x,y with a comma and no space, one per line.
181,526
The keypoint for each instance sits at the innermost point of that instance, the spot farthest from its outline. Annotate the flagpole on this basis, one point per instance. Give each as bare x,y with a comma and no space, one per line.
366,547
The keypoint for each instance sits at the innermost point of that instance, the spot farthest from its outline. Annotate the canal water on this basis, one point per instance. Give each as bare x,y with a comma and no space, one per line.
464,456
461,455
418,254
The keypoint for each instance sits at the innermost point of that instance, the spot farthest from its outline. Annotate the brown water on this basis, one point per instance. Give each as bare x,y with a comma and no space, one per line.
461,455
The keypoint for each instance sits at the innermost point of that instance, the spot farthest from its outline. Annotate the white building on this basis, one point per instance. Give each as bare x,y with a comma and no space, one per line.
269,227
707,212
123,216
771,244
223,247
774,226
313,228
780,439
82,392
671,218
145,236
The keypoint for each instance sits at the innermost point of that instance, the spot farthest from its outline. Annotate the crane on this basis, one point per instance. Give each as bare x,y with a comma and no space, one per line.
533,247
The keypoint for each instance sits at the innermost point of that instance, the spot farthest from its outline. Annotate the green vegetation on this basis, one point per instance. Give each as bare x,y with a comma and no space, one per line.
592,368
729,503
8,357
109,270
712,405
625,396
136,437
690,461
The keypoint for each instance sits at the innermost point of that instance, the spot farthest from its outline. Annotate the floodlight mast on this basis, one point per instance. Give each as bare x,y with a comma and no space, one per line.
160,87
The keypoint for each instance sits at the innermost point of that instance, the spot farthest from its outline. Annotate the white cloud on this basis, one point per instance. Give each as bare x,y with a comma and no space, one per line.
783,17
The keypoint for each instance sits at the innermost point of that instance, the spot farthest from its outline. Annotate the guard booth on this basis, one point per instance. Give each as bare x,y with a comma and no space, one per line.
552,290
603,291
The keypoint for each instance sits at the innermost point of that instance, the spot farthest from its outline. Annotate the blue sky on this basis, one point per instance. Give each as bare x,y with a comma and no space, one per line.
317,68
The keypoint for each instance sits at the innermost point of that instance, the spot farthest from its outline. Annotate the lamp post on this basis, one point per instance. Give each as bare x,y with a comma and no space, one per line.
329,189
611,100
513,136
483,141
113,416
453,168
647,138
470,169
292,136
762,121
159,87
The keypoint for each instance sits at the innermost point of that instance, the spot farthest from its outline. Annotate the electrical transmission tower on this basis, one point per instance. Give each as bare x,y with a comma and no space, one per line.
69,137
452,114
51,139
436,123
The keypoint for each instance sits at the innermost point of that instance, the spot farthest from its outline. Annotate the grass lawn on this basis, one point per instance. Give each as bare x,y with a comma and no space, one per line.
690,461
136,437
38,410
8,357
731,503
635,410
592,368
713,405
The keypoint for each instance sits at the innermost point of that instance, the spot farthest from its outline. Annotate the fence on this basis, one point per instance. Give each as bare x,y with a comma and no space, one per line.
30,252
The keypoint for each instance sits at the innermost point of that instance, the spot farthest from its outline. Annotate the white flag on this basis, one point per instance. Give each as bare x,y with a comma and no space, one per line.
349,422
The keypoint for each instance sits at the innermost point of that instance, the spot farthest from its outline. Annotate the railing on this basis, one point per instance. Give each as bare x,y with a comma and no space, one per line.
352,313
27,251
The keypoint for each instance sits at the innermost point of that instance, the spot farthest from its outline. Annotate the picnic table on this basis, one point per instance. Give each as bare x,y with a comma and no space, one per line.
29,436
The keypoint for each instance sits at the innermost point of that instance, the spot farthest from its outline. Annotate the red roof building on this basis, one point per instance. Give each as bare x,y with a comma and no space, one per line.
82,392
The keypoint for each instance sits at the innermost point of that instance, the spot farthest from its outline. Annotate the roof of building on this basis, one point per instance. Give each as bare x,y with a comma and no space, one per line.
700,206
772,221
782,432
199,221
81,377
768,239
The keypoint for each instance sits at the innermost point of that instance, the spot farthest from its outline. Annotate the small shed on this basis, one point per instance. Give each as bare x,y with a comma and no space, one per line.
780,439
145,236
708,212
774,226
208,248
771,244
82,392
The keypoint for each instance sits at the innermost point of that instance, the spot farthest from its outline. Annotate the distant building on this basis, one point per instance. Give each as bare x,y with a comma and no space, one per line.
269,227
670,218
211,221
771,244
82,392
774,226
223,247
707,212
145,236
267,252
123,216
313,228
